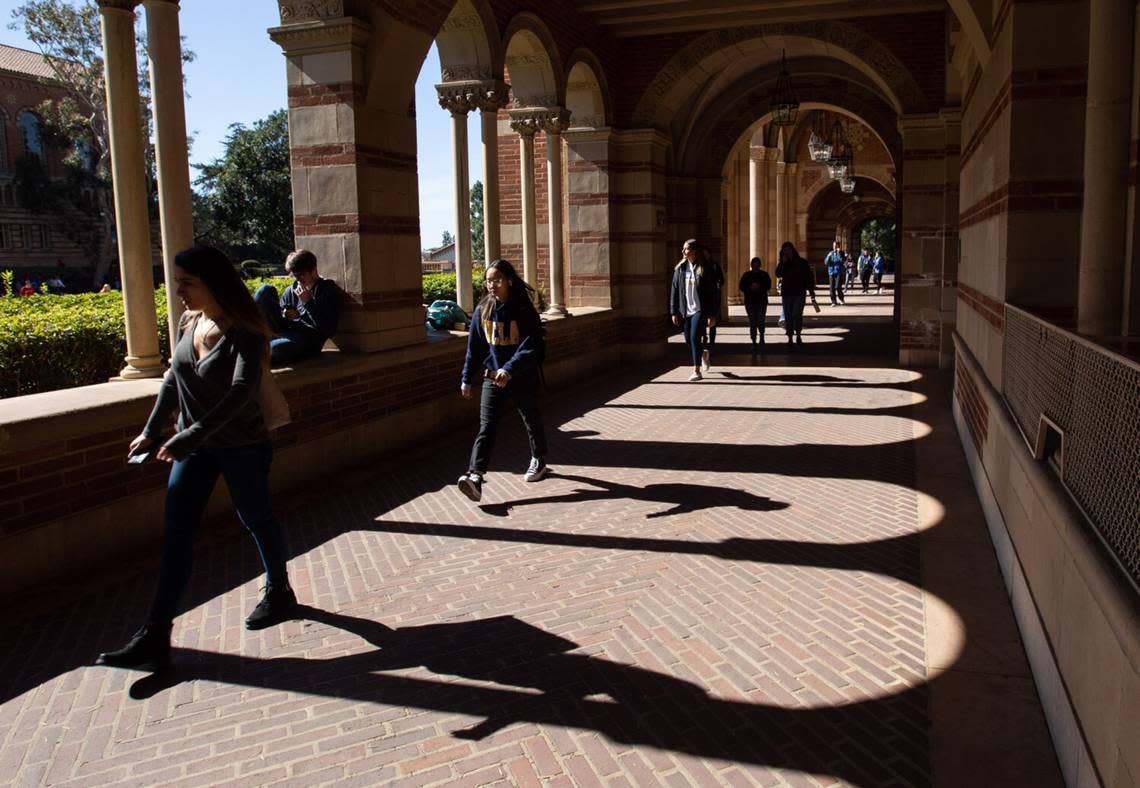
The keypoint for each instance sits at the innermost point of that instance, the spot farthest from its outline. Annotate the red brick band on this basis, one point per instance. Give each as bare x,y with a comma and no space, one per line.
975,412
991,310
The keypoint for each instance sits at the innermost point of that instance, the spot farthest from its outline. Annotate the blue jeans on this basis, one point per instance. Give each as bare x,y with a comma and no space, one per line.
794,313
289,343
246,471
693,329
756,314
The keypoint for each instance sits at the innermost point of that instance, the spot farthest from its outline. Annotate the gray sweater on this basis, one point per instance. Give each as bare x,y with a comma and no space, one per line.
216,397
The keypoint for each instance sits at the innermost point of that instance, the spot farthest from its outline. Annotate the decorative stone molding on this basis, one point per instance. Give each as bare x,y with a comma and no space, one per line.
556,124
294,11
495,96
543,100
326,35
466,72
461,22
118,5
588,121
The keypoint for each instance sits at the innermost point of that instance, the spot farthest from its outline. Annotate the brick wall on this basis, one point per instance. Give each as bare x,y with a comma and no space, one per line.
973,405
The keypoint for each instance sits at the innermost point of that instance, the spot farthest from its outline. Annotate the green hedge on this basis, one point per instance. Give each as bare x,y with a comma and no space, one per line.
442,286
57,342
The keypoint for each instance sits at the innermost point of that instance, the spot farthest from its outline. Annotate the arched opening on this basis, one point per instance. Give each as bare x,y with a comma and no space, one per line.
31,133
585,98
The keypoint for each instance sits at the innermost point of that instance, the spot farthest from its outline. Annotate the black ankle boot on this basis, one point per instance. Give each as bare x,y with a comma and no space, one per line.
148,649
276,605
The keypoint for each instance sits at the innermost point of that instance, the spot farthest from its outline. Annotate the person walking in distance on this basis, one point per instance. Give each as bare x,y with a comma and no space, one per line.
849,265
864,269
215,375
714,272
878,265
797,283
835,273
694,302
504,351
754,285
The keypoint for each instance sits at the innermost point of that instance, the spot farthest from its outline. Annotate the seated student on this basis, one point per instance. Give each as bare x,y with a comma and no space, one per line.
307,313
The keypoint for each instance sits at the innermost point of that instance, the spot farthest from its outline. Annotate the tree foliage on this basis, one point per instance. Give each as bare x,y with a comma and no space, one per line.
446,238
880,234
75,126
246,201
478,246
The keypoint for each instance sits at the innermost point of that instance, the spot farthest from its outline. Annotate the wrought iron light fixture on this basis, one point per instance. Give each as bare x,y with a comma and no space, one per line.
841,156
847,184
819,147
785,106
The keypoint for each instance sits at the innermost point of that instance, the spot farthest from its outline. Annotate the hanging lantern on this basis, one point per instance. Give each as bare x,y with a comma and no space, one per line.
818,146
841,156
846,185
785,106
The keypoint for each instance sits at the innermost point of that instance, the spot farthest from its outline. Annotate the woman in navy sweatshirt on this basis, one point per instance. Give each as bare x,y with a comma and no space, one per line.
504,347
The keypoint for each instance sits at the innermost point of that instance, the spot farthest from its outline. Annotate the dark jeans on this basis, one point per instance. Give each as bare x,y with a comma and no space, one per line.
794,313
835,281
756,314
878,279
693,329
246,471
524,392
865,278
289,342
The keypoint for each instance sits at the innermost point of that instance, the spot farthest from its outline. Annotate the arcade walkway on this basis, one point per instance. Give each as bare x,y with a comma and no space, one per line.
777,576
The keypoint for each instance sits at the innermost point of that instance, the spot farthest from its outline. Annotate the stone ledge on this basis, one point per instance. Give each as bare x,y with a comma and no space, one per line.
37,420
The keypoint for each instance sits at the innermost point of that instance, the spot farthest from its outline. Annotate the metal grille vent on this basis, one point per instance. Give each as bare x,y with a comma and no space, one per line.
1093,395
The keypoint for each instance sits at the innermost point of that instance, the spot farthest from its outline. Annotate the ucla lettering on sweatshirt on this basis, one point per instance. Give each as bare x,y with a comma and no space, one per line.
505,338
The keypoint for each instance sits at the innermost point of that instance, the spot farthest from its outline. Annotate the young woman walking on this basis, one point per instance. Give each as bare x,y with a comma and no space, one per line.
694,302
754,286
798,282
503,351
215,374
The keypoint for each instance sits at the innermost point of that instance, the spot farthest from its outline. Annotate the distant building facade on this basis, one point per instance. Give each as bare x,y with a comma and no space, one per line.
440,260
29,241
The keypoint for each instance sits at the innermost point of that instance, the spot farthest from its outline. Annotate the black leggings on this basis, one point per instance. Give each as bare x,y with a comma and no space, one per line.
524,391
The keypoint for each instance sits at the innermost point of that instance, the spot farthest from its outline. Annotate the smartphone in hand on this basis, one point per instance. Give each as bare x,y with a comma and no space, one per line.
138,458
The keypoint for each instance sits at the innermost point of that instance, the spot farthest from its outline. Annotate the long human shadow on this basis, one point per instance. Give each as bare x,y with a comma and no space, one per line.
893,410
685,498
873,742
896,556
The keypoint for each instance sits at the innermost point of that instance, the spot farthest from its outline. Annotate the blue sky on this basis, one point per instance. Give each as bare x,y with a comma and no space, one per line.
239,77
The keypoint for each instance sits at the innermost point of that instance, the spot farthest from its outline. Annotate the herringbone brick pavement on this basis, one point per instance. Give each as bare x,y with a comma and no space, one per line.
720,585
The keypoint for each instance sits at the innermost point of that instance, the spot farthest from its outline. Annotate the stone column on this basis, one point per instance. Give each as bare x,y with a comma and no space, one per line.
1100,306
758,201
526,127
491,101
164,47
926,271
128,174
458,99
781,205
554,126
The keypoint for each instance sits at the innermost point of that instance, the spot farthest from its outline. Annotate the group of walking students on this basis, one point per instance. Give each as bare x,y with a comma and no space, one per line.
219,374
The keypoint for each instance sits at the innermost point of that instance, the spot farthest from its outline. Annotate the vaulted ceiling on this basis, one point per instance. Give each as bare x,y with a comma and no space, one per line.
629,18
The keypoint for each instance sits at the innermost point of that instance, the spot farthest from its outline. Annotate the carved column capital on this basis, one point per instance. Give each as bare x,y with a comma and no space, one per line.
117,5
494,96
458,98
530,120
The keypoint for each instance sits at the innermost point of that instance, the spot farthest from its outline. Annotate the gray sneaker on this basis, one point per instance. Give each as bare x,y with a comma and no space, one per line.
537,471
471,485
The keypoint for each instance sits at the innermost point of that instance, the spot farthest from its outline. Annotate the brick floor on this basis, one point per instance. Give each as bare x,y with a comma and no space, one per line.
722,584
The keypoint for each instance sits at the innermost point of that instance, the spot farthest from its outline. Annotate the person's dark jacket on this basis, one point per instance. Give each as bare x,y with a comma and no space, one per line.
797,277
759,295
708,291
507,337
321,315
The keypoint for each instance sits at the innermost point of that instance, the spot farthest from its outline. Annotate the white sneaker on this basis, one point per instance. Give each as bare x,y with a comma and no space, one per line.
537,471
471,485
695,376
705,360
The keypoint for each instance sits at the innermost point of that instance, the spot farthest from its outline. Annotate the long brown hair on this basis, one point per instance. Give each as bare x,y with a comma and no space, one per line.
518,286
699,252
221,279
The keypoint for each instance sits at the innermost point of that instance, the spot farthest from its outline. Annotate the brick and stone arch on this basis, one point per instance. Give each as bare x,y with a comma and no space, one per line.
832,215
587,94
469,45
533,64
721,50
